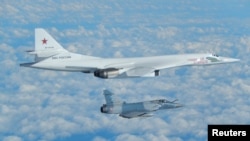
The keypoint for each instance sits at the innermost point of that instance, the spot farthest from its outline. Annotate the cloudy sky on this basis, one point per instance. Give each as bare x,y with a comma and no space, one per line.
42,105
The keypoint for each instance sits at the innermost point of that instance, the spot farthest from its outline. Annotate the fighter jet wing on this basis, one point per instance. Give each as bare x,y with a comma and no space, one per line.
136,114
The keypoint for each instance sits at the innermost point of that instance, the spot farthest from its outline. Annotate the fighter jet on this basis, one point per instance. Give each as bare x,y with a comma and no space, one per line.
50,55
132,110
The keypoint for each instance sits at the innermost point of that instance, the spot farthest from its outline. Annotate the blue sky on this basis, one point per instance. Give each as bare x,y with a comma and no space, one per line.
42,105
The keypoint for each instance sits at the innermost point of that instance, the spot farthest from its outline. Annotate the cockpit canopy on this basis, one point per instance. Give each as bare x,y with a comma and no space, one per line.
213,58
215,55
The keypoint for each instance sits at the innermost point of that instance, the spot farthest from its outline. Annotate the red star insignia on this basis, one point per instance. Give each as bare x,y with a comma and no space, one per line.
44,41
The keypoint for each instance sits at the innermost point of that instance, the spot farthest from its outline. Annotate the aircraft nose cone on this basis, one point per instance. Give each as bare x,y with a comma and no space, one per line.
178,105
230,60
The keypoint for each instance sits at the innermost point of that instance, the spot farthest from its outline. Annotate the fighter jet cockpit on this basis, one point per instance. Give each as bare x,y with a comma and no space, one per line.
163,101
216,55
166,101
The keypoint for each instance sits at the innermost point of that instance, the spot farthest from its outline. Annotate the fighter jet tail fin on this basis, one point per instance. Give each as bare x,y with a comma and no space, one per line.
110,99
45,45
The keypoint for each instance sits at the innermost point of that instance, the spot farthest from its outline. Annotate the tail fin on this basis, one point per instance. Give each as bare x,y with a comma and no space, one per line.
45,45
110,99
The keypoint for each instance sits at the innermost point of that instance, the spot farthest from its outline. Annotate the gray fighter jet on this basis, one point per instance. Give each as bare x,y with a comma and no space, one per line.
132,110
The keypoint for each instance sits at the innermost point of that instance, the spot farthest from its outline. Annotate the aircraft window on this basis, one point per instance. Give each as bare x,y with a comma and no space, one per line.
215,55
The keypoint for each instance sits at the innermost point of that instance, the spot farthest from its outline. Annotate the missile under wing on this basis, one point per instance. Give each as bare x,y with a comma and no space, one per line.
50,55
132,110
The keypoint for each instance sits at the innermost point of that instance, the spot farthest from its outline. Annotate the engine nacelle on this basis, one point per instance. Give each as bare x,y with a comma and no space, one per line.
104,108
107,73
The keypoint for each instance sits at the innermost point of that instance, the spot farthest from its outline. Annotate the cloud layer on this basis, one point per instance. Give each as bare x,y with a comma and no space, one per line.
49,105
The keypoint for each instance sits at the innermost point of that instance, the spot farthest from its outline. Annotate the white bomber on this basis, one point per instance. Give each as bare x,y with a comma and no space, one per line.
50,55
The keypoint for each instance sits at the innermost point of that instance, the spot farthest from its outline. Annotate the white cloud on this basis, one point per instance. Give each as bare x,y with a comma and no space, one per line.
99,139
146,137
124,43
128,137
28,88
12,138
47,105
9,64
165,33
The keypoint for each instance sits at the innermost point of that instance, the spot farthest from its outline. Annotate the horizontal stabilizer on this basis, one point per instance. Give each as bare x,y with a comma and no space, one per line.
30,50
27,64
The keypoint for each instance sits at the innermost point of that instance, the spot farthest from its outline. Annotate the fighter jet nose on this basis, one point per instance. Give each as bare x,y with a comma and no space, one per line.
178,105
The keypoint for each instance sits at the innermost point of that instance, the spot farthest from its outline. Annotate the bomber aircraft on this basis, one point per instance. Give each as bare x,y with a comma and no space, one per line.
138,109
50,55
